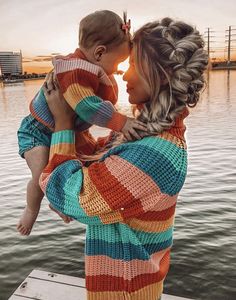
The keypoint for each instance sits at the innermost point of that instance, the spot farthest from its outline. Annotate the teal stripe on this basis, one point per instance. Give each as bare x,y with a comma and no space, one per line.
156,162
72,205
64,136
160,145
124,251
124,234
87,107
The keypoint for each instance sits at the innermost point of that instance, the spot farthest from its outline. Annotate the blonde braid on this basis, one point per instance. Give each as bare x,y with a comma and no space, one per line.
170,58
172,51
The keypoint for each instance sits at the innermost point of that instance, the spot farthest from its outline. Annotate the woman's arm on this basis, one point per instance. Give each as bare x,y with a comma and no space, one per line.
129,180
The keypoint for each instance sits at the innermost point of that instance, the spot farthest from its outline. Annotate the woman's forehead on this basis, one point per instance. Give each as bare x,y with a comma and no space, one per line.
131,57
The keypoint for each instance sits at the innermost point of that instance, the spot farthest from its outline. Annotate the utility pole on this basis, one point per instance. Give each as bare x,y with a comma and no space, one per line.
208,36
230,40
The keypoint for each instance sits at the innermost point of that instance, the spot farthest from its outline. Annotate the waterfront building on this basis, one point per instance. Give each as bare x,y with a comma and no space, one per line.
10,63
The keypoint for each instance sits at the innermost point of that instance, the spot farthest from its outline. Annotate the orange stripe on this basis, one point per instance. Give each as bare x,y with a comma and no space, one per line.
63,148
117,121
75,93
150,292
151,226
113,192
79,76
105,265
94,204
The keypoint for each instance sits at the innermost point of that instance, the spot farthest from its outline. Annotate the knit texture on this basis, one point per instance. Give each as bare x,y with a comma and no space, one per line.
88,90
127,199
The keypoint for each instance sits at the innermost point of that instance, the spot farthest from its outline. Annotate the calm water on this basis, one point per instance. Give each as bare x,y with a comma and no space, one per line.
203,257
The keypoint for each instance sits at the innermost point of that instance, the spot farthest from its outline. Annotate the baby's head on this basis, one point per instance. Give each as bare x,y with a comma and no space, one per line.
105,39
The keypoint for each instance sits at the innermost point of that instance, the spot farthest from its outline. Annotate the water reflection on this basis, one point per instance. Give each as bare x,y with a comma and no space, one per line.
204,247
228,85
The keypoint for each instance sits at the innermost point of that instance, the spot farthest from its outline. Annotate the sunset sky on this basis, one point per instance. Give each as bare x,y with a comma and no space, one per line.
40,28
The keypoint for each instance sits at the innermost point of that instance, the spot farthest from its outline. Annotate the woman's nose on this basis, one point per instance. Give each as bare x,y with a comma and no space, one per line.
125,76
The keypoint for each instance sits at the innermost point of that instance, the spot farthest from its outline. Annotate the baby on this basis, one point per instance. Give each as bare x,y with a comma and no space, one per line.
87,84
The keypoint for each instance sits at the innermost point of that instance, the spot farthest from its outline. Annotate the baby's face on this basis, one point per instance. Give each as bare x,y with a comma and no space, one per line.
112,58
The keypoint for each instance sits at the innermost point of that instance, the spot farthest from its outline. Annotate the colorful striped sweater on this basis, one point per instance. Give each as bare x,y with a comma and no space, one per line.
127,199
88,90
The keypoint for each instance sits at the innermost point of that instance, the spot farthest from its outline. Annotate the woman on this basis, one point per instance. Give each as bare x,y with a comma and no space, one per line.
127,198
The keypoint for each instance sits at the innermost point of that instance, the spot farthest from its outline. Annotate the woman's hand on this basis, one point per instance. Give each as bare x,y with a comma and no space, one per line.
63,114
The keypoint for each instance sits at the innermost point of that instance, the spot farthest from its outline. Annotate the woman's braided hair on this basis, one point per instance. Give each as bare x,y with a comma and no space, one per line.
170,58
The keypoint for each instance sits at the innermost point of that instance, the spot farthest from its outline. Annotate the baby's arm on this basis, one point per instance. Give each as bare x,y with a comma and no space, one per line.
79,87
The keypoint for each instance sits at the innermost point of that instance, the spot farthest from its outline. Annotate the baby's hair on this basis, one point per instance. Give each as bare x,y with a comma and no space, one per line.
103,27
171,52
171,60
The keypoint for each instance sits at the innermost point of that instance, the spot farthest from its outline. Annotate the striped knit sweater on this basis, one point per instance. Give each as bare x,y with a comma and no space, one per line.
88,90
127,199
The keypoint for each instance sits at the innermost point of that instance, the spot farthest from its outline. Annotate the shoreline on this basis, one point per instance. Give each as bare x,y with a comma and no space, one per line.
19,80
223,68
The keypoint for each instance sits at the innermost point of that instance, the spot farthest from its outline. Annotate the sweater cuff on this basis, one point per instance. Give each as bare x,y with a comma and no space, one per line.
63,142
117,121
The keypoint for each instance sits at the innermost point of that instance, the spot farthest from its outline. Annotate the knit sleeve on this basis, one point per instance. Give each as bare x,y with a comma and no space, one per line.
86,144
126,183
79,88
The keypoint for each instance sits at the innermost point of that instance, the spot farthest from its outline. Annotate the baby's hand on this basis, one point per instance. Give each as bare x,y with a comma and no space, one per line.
131,127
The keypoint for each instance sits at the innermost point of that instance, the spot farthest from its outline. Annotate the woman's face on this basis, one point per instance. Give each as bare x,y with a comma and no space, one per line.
136,87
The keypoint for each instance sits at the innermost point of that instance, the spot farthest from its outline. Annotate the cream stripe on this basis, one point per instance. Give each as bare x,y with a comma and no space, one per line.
104,265
62,66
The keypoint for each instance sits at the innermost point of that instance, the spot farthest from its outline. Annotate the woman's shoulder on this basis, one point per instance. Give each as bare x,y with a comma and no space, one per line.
163,146
163,140
163,158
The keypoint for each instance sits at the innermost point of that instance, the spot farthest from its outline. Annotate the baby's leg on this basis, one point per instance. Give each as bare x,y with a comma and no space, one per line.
37,159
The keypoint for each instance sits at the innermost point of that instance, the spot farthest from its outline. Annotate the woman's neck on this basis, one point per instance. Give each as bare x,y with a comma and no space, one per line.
178,129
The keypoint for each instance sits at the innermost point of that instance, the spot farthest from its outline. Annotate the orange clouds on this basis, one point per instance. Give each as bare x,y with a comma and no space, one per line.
38,64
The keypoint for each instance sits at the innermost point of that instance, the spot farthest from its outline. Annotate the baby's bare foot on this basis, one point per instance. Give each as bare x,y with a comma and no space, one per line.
27,221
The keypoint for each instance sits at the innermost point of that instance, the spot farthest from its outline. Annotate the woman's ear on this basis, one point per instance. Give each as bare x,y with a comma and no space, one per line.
99,51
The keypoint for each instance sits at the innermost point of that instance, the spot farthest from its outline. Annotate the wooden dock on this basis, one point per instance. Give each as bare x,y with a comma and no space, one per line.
41,285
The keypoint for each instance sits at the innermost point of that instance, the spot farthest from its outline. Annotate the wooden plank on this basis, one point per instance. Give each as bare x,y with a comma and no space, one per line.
170,297
60,278
41,285
15,297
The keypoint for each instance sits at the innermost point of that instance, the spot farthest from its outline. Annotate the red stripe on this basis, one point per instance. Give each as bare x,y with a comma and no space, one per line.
158,215
86,79
104,283
113,192
56,160
79,76
84,143
33,113
107,93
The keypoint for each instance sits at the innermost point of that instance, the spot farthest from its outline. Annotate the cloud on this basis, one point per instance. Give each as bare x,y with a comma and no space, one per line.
38,58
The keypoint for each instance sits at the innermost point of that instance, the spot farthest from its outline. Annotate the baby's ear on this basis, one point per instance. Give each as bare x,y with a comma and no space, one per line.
99,51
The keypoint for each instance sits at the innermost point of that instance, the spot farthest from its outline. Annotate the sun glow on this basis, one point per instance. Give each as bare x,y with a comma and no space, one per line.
123,67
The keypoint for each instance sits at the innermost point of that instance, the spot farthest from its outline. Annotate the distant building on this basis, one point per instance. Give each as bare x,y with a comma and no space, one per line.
11,63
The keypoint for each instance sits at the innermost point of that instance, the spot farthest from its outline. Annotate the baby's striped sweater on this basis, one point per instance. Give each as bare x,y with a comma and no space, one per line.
127,199
88,90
